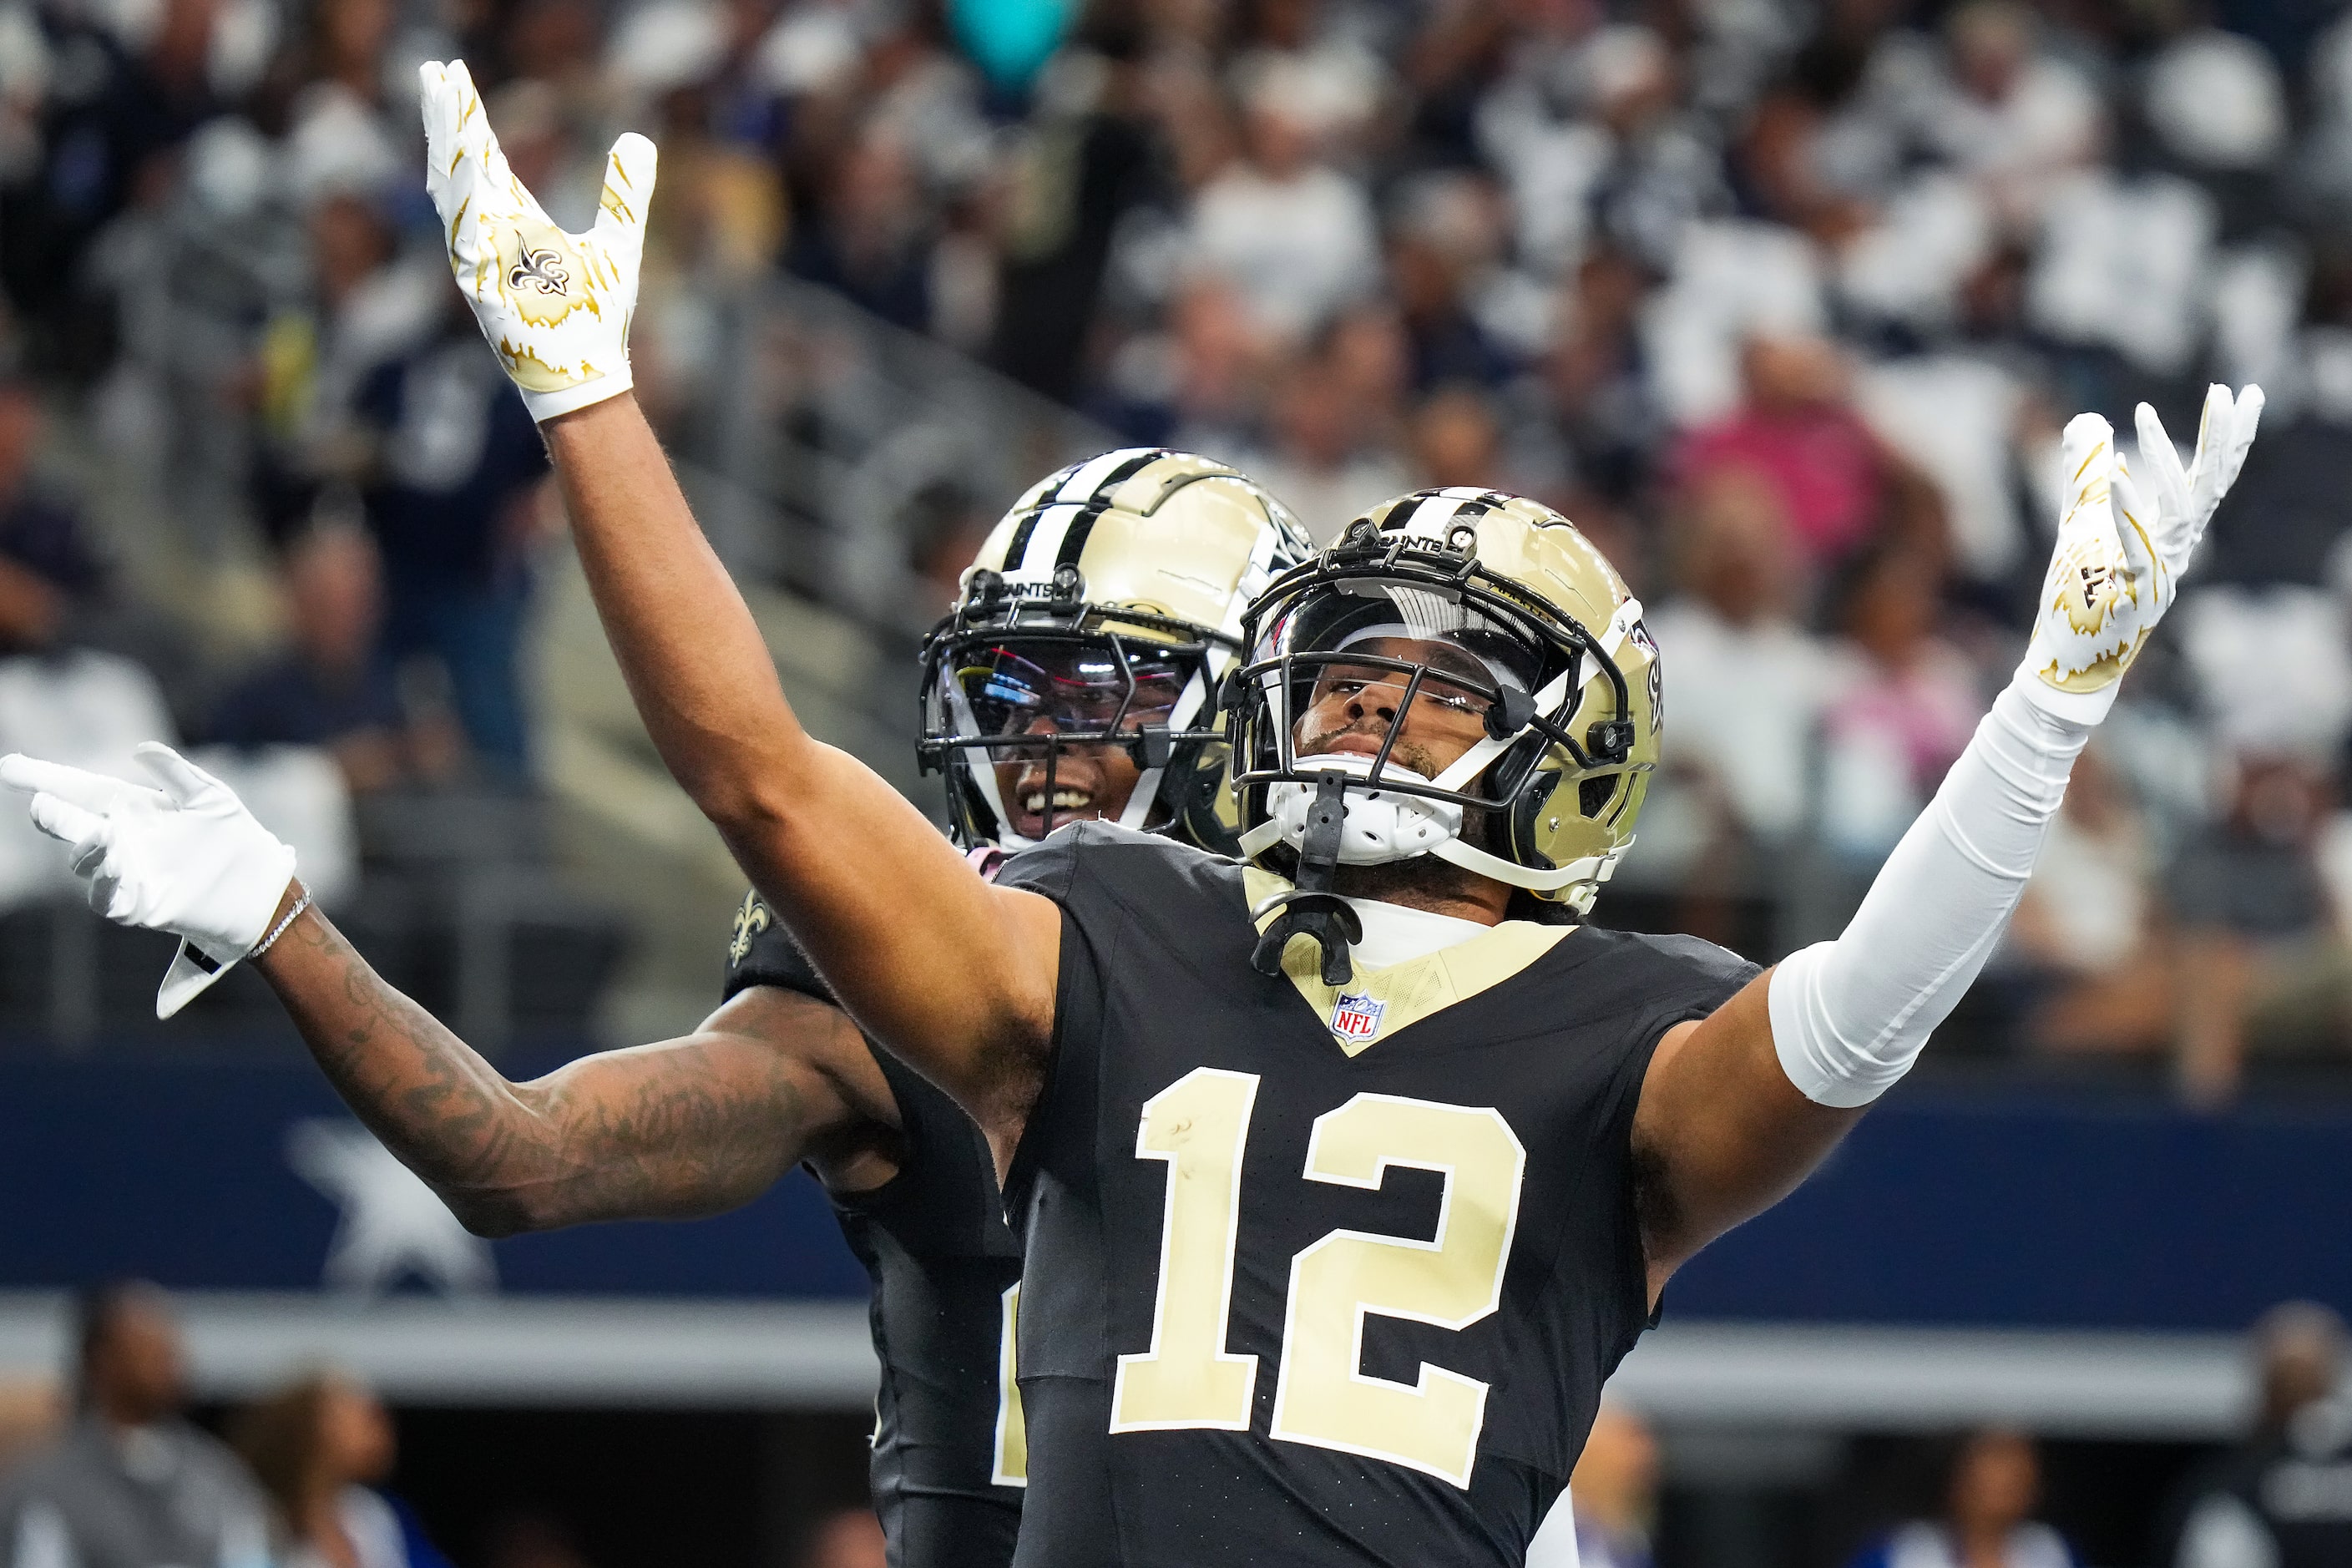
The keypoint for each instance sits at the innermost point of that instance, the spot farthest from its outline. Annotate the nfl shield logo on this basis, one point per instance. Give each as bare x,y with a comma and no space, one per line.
1357,1018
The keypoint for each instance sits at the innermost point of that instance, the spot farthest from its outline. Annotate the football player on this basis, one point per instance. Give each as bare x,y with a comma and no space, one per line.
1051,695
1342,1190
1343,1186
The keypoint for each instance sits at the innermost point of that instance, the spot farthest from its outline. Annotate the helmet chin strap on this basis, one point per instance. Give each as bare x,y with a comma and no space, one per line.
1311,908
1584,876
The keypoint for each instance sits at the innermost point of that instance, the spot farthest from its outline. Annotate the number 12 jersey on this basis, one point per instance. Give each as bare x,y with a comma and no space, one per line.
1321,1274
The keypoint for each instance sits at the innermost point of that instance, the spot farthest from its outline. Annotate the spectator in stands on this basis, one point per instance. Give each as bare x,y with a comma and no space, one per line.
1318,464
2089,930
1987,1516
1368,355
1095,163
1598,377
48,568
1905,705
850,1539
2260,932
331,686
867,239
139,95
1293,235
131,1484
55,690
1841,485
1615,1490
1663,169
366,302
1750,682
321,1450
1456,440
344,115
2276,1499
456,508
1198,385
1444,237
1998,104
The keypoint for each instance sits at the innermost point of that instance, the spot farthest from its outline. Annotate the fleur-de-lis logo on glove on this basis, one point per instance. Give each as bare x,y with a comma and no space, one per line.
540,269
2123,540
555,306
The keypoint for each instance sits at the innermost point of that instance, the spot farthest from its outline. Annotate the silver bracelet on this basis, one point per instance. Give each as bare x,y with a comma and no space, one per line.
279,929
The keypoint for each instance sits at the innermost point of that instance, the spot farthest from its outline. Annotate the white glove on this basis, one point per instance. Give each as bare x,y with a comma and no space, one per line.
186,858
2119,557
556,306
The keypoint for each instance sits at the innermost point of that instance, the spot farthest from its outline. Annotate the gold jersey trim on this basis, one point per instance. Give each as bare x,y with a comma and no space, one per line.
1401,994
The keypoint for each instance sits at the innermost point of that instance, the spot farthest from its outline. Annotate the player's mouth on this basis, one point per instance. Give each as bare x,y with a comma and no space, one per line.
1035,802
1032,808
1355,741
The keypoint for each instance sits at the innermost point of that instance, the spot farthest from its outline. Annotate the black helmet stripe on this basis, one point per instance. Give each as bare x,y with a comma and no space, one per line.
1436,511
1020,545
1091,504
1073,542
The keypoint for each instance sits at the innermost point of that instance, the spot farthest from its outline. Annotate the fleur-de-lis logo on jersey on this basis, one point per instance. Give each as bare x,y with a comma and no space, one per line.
749,922
540,269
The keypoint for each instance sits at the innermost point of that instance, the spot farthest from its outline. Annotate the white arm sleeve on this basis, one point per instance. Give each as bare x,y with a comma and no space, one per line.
1849,1016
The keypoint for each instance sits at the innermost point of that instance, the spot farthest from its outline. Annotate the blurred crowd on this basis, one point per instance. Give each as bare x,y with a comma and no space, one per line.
131,1483
299,1478
1785,302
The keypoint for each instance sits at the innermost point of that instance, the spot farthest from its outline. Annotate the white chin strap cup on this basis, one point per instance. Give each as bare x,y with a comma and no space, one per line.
1379,826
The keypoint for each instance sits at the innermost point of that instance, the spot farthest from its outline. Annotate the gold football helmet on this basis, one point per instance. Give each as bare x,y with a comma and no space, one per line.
1501,611
1105,609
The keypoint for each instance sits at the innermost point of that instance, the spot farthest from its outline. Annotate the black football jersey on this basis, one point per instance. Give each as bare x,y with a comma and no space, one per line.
949,1458
1322,1274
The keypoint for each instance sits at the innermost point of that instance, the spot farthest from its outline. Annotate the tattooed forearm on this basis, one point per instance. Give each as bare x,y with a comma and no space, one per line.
688,1127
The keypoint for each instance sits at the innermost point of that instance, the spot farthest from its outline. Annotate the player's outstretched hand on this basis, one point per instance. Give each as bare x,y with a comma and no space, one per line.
2123,540
555,306
186,858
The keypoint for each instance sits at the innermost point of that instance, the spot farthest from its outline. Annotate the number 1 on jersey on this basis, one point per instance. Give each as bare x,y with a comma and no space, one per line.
1198,1125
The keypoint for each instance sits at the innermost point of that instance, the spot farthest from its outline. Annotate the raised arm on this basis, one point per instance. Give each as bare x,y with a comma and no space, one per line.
954,975
691,1126
1740,1107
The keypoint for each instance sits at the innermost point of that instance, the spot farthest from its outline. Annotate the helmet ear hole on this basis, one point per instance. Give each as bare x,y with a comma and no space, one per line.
1594,795
1509,770
1193,788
